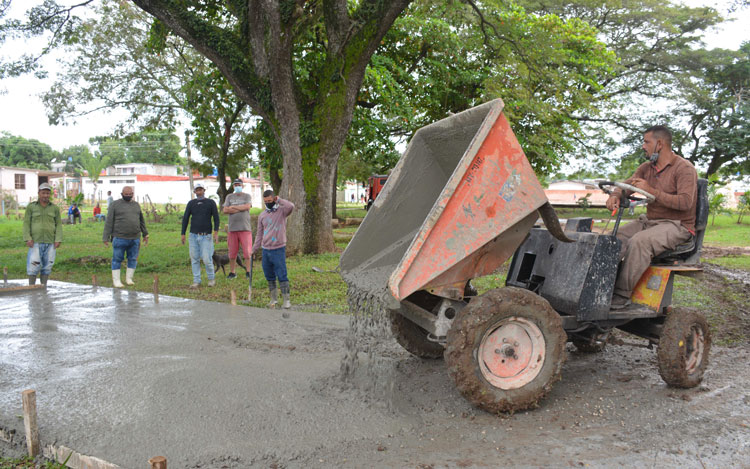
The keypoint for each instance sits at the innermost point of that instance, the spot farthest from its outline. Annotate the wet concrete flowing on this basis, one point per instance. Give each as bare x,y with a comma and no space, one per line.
215,386
369,334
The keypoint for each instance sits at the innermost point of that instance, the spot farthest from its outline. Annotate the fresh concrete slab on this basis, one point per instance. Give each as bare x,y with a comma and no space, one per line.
120,379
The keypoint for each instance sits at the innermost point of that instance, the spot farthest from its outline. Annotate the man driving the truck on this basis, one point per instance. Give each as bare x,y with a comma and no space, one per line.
669,219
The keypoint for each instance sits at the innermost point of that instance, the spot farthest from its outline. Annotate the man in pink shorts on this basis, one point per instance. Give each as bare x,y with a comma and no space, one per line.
239,232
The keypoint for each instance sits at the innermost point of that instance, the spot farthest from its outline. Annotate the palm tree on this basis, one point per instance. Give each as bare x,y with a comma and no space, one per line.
94,166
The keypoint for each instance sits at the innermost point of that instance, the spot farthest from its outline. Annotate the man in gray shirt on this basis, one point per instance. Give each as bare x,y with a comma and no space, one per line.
237,206
124,227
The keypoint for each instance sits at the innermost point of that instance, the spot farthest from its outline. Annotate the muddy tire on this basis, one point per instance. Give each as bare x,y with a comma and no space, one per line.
684,346
505,350
413,338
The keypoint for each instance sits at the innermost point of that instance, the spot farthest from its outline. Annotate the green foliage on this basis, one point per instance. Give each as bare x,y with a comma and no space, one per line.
165,78
74,199
743,206
74,158
714,103
153,146
716,199
9,199
654,43
148,146
24,153
440,58
584,202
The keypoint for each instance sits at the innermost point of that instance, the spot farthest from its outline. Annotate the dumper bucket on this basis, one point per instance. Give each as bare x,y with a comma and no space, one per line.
459,202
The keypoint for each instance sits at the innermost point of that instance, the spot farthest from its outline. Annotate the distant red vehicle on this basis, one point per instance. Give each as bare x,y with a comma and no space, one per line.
375,185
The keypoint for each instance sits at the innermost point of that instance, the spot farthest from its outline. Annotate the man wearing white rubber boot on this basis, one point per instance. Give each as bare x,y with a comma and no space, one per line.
124,226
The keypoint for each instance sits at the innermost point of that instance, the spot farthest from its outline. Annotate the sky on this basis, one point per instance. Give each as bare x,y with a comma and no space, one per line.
22,112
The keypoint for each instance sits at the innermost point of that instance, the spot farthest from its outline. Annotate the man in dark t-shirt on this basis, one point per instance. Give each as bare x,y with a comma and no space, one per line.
200,211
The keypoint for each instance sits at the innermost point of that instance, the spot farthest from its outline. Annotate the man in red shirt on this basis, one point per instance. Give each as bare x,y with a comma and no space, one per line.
669,220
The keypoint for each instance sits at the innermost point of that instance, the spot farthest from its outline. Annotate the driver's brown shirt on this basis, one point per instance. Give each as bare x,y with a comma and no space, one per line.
676,191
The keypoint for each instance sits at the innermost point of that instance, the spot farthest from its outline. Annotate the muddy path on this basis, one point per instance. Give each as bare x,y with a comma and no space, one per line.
213,386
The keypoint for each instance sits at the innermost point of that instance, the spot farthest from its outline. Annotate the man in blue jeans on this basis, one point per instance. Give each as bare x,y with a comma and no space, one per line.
200,211
271,236
42,232
124,227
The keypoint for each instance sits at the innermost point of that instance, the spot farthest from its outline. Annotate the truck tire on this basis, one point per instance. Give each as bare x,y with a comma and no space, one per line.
683,350
413,338
505,350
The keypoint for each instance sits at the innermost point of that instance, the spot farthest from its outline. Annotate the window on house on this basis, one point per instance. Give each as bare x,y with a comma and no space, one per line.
20,181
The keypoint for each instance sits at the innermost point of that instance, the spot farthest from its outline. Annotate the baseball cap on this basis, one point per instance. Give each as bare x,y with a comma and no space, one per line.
198,186
44,186
237,181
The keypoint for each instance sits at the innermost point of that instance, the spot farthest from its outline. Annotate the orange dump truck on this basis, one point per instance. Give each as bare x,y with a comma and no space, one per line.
461,201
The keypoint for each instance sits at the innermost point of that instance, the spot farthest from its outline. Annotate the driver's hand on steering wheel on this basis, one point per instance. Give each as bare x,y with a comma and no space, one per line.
613,203
642,184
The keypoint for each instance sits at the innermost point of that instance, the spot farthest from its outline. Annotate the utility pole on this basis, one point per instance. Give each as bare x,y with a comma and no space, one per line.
190,169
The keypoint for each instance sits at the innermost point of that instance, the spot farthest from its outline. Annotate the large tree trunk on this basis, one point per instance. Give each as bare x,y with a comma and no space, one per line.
259,63
333,192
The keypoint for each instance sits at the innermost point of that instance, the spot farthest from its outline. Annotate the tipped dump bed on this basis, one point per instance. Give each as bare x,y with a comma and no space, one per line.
456,206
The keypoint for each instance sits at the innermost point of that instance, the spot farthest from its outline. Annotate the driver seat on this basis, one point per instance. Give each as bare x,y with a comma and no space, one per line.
689,252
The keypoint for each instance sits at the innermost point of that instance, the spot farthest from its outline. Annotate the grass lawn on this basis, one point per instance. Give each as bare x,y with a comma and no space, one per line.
82,255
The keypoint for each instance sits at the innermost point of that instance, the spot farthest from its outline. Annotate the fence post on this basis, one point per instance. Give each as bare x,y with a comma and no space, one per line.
158,462
5,275
156,290
29,422
232,297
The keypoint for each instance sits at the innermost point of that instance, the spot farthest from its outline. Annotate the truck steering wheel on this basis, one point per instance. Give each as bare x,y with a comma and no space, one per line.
606,187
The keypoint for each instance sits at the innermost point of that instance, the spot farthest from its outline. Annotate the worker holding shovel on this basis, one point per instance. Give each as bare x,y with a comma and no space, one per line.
271,237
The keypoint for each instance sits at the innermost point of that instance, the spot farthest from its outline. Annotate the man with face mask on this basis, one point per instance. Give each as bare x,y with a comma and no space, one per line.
271,237
124,226
239,232
669,220
42,232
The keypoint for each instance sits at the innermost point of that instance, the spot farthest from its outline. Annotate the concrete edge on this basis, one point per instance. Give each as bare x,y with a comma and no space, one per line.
76,460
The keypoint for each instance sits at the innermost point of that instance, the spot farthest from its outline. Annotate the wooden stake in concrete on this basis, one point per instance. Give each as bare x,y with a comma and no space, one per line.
232,297
93,280
5,275
156,293
158,462
29,422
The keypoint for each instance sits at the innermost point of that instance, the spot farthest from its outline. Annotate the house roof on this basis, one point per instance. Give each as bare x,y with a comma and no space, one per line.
14,168
155,177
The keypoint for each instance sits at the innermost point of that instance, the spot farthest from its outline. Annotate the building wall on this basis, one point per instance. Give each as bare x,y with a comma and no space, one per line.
162,191
571,197
8,183
351,188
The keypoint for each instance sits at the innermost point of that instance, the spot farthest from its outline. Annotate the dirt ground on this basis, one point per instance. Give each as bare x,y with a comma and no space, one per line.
610,410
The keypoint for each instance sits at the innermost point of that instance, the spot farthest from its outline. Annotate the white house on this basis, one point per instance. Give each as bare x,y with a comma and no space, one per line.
570,192
161,183
23,183
352,188
142,168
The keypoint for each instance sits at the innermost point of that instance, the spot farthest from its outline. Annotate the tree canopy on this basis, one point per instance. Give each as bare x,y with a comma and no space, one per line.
118,60
25,153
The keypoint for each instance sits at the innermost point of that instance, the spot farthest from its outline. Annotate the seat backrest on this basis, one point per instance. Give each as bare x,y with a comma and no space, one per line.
701,210
692,256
